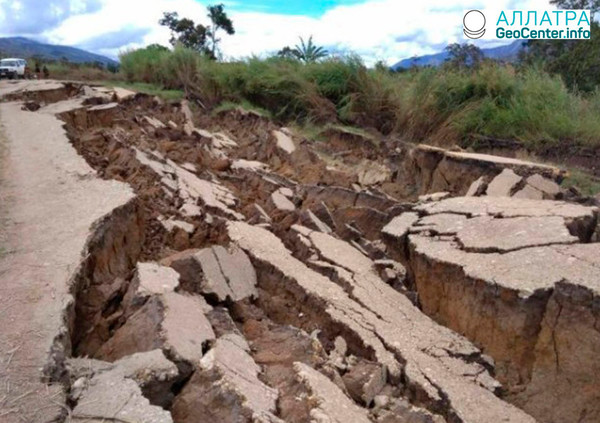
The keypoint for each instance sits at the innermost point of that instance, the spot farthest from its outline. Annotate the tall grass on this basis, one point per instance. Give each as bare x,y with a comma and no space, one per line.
444,106
78,72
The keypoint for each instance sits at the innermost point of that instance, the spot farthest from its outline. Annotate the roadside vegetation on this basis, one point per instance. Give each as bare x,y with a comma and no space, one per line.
75,71
446,105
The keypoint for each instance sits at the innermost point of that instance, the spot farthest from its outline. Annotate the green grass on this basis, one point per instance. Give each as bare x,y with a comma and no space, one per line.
147,88
436,105
586,183
76,72
352,130
245,105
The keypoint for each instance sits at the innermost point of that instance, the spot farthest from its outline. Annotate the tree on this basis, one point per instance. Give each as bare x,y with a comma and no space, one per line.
592,5
464,55
185,32
309,52
220,21
576,61
198,37
287,53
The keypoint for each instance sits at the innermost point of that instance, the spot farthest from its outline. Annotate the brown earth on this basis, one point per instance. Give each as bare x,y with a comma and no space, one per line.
221,268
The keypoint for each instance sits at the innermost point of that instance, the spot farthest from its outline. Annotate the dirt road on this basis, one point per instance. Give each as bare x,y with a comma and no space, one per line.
50,199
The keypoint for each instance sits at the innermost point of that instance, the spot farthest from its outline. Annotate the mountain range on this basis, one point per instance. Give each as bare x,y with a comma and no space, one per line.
25,48
506,53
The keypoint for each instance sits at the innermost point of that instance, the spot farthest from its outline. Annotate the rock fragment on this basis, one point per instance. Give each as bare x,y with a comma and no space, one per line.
124,390
226,388
152,278
281,202
155,123
401,411
549,188
227,275
503,184
122,94
399,226
478,187
440,224
529,192
259,215
252,165
364,381
310,220
331,405
171,224
284,142
188,118
174,322
217,272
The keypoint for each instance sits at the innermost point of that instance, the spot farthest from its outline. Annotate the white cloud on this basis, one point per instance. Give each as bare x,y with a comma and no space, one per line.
376,29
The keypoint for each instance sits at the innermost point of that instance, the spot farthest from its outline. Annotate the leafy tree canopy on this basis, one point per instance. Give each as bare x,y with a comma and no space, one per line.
463,55
198,37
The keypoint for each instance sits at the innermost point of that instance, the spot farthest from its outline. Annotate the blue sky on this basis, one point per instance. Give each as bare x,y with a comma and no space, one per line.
388,30
291,7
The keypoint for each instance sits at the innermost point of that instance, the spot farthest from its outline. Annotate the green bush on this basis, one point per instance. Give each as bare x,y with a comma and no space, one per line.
144,65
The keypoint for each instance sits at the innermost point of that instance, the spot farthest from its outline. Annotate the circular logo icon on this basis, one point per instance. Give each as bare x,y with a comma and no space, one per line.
474,24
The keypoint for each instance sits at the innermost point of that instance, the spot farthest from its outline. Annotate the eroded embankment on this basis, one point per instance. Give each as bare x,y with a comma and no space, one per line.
249,281
502,272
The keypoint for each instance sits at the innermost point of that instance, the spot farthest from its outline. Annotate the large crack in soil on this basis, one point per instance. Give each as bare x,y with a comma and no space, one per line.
192,304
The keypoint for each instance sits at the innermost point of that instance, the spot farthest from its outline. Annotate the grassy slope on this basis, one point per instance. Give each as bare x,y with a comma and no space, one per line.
441,105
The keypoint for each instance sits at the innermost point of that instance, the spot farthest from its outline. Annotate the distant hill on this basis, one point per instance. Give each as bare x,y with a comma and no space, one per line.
26,48
507,53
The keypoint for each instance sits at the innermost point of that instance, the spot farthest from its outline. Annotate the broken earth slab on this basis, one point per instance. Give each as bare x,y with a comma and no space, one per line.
134,388
122,94
189,187
494,274
580,220
504,184
279,201
176,323
509,184
330,403
225,275
489,234
429,370
284,142
428,169
152,278
172,224
253,165
364,381
503,300
226,388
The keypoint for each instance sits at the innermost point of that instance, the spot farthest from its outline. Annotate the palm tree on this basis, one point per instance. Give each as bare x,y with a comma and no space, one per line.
309,52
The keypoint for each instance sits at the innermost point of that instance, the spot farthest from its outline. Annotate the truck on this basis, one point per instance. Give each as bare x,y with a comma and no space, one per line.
13,68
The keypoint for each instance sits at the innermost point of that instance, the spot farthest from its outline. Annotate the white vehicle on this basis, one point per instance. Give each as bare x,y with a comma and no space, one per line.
13,68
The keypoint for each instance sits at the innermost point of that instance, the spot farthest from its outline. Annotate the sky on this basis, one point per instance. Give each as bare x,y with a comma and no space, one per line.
387,30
